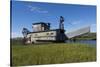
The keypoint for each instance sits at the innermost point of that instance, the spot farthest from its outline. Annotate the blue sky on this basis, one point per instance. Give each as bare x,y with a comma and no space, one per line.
76,16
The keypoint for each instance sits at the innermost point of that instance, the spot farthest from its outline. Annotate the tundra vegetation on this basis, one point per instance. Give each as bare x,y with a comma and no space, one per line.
50,53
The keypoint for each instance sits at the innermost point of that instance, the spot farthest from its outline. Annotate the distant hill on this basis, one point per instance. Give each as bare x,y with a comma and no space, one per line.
16,41
17,38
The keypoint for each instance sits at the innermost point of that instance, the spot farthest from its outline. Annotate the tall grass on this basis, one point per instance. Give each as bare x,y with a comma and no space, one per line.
52,53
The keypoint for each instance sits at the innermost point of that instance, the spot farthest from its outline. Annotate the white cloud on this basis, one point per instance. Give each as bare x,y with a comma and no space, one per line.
37,9
93,28
93,25
43,11
76,22
32,8
15,34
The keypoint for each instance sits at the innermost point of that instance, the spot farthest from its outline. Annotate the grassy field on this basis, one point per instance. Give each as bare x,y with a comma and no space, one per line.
52,53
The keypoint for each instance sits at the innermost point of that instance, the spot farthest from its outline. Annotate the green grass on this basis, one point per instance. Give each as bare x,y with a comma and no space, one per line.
52,53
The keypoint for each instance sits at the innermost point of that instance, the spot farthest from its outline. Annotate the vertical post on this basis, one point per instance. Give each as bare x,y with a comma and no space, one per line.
61,25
